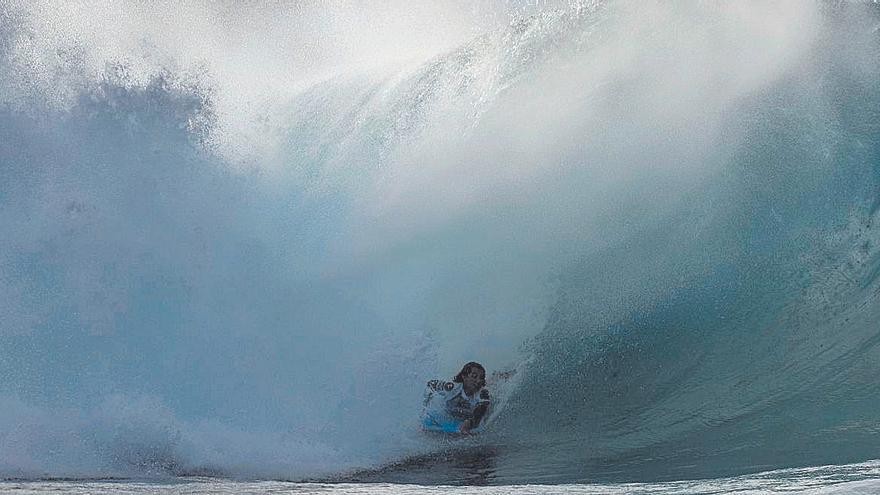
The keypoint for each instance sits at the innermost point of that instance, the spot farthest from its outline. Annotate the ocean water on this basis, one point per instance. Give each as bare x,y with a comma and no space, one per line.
237,239
851,479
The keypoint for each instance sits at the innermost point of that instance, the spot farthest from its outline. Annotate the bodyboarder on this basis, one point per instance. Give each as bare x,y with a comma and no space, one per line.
457,406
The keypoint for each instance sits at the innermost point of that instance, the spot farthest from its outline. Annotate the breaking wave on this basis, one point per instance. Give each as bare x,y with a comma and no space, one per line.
238,240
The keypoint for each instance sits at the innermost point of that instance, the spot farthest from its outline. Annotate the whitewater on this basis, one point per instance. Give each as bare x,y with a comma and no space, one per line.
236,239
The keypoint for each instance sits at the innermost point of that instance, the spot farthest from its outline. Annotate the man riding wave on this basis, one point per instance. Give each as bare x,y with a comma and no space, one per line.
457,406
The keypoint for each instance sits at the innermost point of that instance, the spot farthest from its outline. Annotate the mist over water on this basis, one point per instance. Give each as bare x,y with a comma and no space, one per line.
238,239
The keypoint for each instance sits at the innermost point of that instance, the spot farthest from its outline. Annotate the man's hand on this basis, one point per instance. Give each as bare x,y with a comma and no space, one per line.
465,426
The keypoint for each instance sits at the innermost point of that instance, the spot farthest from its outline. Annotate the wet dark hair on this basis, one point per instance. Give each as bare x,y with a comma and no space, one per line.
459,378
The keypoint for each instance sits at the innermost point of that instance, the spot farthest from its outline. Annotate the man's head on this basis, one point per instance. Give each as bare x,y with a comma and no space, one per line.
472,376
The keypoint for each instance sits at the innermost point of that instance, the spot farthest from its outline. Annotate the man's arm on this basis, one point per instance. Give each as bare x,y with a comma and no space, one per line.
437,386
479,412
440,386
481,409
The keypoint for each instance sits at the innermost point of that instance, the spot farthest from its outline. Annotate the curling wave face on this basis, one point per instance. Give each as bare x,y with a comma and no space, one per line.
245,255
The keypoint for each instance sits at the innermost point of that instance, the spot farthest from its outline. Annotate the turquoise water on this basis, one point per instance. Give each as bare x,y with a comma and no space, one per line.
237,240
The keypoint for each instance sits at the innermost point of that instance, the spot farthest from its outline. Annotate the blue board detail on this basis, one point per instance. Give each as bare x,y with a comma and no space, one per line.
440,424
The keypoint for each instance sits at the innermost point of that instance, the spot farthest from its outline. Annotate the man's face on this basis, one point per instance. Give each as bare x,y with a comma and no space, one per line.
473,378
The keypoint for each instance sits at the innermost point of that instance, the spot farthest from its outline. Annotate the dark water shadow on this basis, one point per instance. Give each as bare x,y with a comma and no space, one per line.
470,465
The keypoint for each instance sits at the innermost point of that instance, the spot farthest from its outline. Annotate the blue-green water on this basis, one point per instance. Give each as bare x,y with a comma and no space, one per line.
236,240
